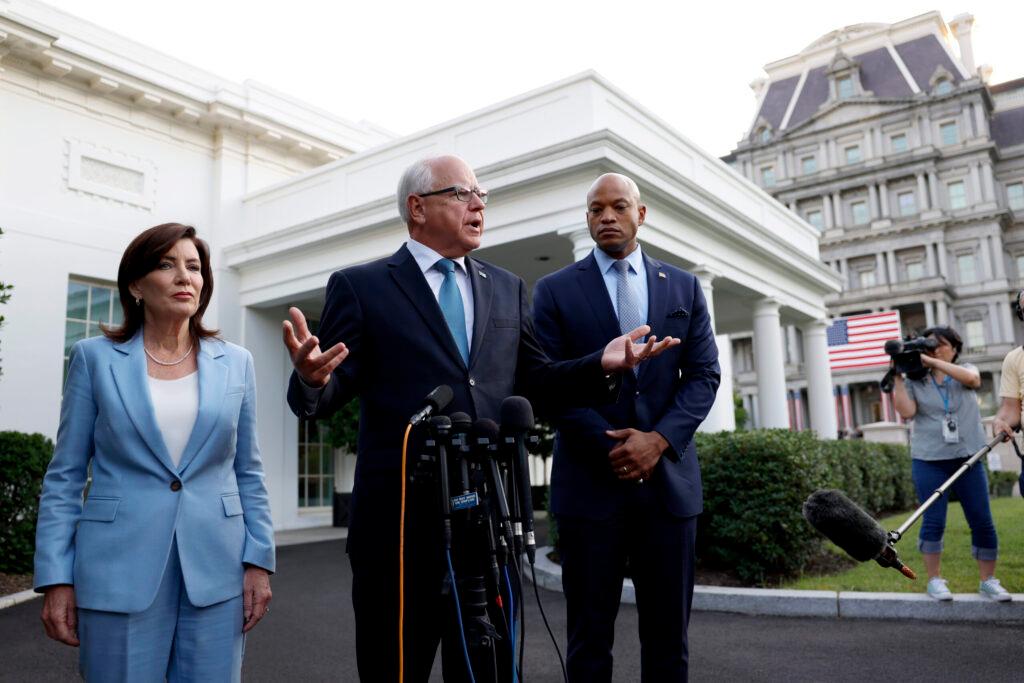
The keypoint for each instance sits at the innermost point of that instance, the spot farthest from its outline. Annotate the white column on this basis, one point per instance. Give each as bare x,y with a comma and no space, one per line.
998,256
942,313
826,205
873,200
1009,321
823,153
844,271
769,365
929,313
723,415
988,182
926,130
820,399
837,206
883,197
940,253
993,322
792,347
890,257
582,243
922,193
881,274
929,256
986,259
869,144
975,195
933,189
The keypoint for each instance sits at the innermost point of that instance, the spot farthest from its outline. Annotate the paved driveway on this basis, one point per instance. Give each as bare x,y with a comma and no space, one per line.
309,637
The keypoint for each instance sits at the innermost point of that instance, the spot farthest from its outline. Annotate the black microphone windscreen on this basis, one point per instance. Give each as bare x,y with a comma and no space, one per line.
441,422
893,346
440,397
516,414
485,429
461,422
845,524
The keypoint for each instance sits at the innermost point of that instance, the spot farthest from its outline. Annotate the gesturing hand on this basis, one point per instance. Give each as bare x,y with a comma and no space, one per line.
59,615
623,354
256,596
314,366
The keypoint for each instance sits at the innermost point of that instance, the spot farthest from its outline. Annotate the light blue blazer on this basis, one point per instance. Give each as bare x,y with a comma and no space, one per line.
114,548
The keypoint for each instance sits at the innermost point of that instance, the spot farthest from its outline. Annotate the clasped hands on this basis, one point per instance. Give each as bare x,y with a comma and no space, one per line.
634,456
315,366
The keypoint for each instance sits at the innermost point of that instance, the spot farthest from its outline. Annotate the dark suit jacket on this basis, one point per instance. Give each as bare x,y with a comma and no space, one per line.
672,394
401,349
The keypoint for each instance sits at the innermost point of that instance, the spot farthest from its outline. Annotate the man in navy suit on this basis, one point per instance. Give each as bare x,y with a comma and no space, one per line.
394,329
626,482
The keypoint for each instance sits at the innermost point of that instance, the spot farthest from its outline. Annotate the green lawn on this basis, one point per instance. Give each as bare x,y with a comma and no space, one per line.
958,567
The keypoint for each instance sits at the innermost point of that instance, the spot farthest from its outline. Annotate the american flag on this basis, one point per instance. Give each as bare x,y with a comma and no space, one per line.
859,341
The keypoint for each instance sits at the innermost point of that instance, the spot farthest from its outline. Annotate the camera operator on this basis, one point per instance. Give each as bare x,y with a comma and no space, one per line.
947,431
1011,389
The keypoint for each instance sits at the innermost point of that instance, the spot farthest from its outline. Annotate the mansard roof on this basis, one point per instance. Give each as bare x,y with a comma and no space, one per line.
1008,127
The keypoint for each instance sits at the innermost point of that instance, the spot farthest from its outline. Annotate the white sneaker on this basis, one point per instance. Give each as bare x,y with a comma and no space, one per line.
992,590
938,590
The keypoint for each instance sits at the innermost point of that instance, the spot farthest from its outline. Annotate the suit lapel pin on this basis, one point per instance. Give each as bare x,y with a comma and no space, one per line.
661,275
483,274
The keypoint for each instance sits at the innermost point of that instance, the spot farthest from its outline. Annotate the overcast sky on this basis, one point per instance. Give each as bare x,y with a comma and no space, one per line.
406,66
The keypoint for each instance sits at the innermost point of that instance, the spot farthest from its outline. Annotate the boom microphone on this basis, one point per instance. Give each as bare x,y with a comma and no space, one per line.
516,421
435,401
842,522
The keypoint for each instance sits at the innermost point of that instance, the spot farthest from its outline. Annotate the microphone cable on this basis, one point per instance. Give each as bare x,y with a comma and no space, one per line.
401,562
458,614
512,624
554,641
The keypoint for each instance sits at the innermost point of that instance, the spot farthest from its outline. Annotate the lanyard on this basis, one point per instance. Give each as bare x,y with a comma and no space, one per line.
943,390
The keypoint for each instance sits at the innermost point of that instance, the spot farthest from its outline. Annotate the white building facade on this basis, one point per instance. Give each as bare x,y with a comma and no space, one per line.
102,138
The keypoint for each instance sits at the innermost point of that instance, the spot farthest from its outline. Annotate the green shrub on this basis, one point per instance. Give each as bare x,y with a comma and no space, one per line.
755,483
1000,484
23,462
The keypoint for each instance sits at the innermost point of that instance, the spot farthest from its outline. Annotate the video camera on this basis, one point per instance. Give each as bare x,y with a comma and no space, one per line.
906,359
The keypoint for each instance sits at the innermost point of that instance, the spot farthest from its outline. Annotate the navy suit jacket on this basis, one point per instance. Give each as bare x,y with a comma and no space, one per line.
672,394
400,349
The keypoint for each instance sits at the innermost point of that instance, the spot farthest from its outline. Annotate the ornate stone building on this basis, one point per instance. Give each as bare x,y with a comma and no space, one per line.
889,140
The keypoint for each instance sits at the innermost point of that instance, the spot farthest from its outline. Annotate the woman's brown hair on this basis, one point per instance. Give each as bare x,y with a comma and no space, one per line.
141,258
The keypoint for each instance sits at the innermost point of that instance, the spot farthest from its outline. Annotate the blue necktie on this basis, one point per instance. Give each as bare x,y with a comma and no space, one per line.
627,301
450,299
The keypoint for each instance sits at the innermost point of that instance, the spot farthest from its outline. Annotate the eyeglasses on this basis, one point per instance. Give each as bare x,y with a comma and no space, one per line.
463,194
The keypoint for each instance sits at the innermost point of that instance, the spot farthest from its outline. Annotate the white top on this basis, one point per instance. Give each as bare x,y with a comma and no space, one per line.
176,404
426,259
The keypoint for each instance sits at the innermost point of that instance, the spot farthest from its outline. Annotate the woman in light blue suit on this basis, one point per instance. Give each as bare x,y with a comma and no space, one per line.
166,565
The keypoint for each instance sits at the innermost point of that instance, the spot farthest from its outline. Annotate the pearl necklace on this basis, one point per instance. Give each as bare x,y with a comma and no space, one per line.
168,363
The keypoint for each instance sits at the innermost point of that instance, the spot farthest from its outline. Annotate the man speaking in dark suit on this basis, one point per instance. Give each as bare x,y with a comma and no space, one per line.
626,483
394,330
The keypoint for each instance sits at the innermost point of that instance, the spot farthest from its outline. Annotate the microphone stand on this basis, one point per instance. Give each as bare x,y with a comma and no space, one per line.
896,534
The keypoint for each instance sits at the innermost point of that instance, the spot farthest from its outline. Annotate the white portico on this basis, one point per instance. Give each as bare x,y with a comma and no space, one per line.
537,154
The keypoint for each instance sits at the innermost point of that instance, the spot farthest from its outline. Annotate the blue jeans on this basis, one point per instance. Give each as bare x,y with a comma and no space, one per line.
971,489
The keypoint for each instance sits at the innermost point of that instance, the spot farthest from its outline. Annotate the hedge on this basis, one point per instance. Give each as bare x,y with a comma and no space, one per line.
23,462
755,483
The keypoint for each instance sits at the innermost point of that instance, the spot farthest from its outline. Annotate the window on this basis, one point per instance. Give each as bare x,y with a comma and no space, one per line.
768,176
866,278
975,332
943,87
860,213
1015,195
908,207
852,154
809,165
765,135
1018,260
316,466
88,306
965,268
899,143
957,195
815,219
948,133
844,87
915,270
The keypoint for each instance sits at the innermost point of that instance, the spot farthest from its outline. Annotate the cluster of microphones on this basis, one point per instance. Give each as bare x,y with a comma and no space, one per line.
479,464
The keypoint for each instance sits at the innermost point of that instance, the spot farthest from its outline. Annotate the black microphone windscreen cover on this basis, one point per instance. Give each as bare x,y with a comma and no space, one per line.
516,414
845,524
440,397
485,429
441,421
461,422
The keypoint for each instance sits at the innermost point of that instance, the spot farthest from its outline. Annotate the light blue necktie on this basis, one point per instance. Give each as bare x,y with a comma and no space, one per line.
627,301
450,299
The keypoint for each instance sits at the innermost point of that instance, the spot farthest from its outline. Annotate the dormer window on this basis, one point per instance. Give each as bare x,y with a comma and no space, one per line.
764,135
941,82
943,87
844,78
